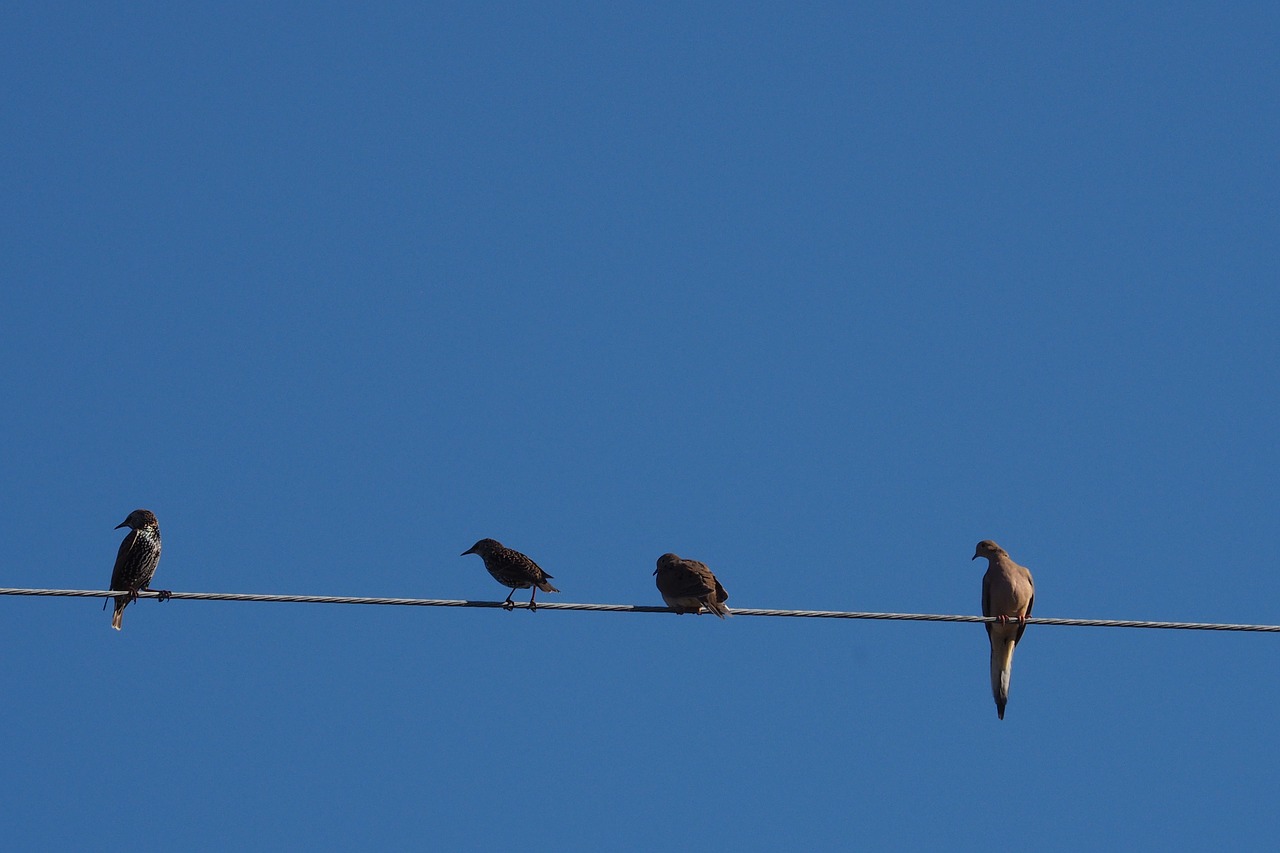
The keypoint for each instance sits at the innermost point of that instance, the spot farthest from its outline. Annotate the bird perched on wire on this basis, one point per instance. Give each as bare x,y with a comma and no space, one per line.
1007,593
136,561
513,569
688,586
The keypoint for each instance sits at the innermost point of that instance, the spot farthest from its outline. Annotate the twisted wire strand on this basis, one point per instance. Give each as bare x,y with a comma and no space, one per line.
642,608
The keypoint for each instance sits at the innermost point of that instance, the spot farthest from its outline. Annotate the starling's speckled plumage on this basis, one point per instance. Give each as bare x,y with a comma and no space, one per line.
1008,592
513,569
137,560
688,586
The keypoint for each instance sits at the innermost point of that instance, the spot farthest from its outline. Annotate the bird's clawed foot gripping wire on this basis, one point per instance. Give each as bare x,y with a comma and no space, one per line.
508,604
161,594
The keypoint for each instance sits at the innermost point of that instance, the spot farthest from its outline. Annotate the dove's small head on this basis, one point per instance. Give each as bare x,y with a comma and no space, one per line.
139,519
484,546
987,548
667,560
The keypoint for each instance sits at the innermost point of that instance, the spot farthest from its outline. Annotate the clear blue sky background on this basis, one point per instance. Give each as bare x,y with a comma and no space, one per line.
819,295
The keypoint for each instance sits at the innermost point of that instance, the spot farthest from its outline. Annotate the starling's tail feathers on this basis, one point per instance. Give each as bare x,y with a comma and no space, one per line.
545,586
117,618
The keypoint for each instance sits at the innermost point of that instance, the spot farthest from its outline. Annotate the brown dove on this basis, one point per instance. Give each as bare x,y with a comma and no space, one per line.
688,586
1008,593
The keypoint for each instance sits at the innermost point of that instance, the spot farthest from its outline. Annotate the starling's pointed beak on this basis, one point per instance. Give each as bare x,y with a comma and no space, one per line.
974,557
655,571
124,523
468,551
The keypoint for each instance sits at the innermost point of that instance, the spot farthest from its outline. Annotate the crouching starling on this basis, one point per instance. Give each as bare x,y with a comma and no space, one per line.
688,586
137,560
513,569
1008,593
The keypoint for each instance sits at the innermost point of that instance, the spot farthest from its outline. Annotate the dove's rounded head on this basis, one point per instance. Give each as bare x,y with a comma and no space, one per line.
484,546
139,519
667,560
987,548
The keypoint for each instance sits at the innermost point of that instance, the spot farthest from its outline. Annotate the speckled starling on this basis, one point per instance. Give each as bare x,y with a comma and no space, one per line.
513,569
688,586
137,560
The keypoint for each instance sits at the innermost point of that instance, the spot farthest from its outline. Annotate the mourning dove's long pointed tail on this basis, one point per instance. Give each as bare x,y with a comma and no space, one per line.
717,608
1001,670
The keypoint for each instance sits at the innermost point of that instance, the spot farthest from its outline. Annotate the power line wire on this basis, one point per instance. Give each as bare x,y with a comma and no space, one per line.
641,608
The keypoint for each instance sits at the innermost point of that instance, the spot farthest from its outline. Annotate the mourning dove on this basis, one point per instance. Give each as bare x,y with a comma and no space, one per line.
511,568
1007,592
688,586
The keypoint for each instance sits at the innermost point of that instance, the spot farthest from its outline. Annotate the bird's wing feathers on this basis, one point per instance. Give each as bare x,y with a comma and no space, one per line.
721,595
1023,627
523,564
1030,603
986,599
118,579
688,579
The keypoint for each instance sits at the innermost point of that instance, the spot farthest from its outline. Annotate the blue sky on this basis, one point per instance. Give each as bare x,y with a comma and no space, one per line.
818,295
